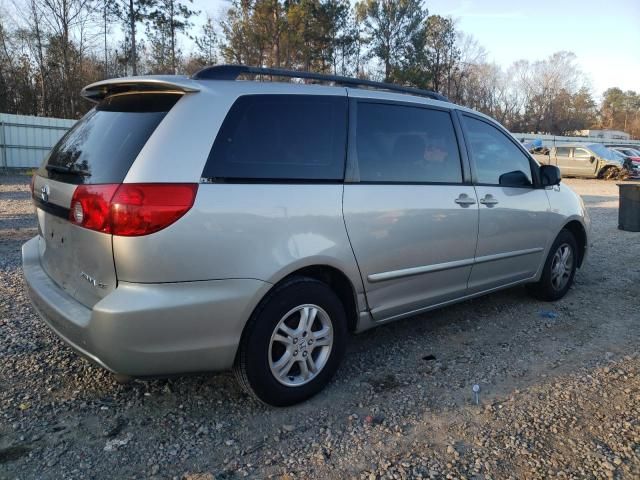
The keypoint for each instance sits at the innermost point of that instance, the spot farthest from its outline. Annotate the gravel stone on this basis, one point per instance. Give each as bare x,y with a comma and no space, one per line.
559,397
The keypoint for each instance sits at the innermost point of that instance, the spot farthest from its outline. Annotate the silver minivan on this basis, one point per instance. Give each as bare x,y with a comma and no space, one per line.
208,223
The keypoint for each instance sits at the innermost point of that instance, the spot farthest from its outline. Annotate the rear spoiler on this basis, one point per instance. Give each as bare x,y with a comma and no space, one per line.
99,90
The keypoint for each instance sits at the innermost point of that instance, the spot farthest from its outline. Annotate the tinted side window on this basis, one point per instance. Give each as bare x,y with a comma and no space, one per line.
495,155
296,137
563,151
406,144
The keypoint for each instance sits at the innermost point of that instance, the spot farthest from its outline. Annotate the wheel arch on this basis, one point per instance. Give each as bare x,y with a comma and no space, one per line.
335,278
339,283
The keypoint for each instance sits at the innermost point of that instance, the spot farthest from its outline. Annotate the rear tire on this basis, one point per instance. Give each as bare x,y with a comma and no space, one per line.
293,343
559,269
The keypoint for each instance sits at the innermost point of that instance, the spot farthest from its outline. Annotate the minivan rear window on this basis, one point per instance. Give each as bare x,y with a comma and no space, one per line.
281,137
102,146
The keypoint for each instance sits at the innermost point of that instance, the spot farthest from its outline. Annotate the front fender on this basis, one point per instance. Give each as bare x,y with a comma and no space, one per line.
565,207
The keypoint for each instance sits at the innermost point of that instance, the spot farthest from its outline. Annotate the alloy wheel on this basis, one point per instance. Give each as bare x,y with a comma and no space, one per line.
300,345
561,266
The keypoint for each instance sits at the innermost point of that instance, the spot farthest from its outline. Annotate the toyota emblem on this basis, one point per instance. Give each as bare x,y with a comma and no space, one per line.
44,193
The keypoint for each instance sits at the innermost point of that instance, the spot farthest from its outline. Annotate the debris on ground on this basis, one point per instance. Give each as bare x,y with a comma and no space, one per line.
558,399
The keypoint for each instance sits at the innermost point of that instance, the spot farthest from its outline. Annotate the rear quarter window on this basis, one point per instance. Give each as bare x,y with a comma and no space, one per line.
102,146
281,137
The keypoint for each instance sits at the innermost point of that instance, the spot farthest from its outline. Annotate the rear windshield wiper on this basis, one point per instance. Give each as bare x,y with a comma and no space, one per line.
68,170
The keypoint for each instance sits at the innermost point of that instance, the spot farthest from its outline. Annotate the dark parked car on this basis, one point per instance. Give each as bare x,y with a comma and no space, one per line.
632,153
631,161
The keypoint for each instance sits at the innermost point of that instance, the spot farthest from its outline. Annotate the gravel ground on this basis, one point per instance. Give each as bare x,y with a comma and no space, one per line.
560,394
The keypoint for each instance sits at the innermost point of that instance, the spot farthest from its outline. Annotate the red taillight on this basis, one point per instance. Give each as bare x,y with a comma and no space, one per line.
140,209
90,206
131,209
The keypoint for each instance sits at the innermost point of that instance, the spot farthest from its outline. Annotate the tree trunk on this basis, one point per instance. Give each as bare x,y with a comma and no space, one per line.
65,63
387,61
132,26
106,57
41,65
276,39
172,25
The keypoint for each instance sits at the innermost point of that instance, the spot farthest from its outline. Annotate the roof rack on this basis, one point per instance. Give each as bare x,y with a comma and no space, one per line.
232,72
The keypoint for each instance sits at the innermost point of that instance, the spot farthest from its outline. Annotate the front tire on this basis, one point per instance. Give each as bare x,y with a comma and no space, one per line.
293,343
609,173
559,269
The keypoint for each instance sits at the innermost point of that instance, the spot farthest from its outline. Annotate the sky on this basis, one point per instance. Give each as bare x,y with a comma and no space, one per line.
604,34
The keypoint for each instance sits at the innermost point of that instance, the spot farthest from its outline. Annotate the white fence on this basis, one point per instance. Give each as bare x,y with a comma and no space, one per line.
552,140
25,140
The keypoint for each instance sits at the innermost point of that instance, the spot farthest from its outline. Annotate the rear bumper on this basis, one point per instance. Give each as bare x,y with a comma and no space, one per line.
148,329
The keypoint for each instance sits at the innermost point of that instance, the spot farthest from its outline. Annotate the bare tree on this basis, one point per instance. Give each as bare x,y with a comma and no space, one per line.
62,17
50,49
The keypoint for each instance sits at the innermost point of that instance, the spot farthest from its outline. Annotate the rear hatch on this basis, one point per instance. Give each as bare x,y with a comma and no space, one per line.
98,151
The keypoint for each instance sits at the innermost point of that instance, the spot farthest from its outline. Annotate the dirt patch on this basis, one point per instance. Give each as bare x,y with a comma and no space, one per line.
559,388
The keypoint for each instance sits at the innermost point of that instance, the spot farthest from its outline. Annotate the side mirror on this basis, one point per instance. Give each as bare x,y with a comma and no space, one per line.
592,159
517,178
550,175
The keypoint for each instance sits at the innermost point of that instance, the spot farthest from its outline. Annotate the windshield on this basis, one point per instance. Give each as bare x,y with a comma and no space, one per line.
630,152
604,152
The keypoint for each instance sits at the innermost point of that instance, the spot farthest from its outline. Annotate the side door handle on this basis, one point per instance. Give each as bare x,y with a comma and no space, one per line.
488,200
465,200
